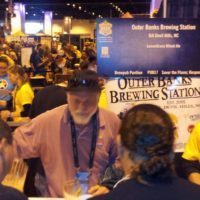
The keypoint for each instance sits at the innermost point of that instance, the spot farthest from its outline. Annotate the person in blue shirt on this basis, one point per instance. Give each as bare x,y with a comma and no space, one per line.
6,87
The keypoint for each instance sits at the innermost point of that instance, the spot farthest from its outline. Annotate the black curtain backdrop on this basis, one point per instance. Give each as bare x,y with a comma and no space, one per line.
181,9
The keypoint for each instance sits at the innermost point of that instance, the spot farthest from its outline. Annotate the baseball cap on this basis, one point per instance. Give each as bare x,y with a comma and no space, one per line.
84,80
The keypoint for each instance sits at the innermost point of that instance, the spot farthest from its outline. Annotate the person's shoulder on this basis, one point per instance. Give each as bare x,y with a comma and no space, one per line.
180,182
130,188
191,190
8,193
59,109
123,191
197,127
101,197
109,118
195,134
55,112
26,86
108,113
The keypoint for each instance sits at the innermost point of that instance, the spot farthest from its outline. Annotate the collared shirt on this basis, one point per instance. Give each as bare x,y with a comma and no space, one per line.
48,136
5,84
22,96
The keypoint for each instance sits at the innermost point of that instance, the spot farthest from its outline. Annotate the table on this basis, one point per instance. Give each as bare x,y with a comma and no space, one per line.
83,197
44,198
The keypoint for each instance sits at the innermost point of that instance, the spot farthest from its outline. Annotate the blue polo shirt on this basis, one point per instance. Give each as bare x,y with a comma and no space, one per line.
5,84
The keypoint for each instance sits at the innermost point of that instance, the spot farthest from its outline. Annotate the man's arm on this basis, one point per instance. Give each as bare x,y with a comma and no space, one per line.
27,140
111,176
191,170
194,178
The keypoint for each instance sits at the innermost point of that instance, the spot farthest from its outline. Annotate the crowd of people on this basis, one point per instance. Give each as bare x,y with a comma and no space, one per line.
76,140
44,62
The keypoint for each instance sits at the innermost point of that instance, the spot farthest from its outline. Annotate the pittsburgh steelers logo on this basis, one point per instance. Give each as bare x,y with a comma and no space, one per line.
3,84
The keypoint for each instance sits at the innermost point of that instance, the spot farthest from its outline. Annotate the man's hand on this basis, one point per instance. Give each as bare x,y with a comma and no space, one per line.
5,114
98,190
194,178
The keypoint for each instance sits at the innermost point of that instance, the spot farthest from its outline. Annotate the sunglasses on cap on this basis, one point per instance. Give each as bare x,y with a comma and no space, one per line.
79,84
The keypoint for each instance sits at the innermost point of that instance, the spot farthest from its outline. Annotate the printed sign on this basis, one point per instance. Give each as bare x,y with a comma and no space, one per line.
148,47
25,56
179,96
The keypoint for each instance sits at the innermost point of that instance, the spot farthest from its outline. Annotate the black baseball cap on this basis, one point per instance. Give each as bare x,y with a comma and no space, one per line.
83,80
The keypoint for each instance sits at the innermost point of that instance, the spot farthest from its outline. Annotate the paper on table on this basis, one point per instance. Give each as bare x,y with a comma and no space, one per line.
44,198
85,196
82,197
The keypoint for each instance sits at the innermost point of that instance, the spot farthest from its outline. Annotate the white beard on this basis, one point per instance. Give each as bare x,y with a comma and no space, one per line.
82,119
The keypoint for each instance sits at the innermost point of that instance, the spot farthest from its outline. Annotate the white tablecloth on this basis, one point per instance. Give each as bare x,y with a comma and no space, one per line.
83,197
45,198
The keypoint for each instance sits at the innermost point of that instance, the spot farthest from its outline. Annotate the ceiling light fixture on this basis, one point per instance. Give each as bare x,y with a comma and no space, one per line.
80,8
117,8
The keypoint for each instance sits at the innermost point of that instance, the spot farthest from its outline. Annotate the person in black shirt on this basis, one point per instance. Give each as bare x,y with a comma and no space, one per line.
146,140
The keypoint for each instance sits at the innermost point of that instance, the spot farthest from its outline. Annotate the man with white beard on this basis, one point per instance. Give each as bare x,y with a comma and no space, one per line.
75,141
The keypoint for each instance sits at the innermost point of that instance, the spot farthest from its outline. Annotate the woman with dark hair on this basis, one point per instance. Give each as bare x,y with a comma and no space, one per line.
22,95
6,159
146,154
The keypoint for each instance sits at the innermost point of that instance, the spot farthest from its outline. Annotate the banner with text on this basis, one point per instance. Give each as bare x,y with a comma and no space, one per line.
148,47
179,96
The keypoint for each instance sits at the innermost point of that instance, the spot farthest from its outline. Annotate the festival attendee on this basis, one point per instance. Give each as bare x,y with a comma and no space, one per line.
43,60
6,159
6,86
191,156
34,57
146,154
13,56
22,95
74,140
2,54
59,65
46,99
69,54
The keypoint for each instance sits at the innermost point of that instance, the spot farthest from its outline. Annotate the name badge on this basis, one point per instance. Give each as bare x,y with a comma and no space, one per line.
83,179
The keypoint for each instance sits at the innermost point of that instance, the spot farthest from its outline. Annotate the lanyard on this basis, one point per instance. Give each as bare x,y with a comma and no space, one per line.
93,143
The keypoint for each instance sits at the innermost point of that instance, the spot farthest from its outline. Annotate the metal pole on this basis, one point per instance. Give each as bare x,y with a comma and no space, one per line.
164,8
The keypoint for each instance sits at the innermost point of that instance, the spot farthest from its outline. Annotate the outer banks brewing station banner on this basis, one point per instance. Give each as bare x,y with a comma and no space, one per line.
127,47
178,96
152,61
